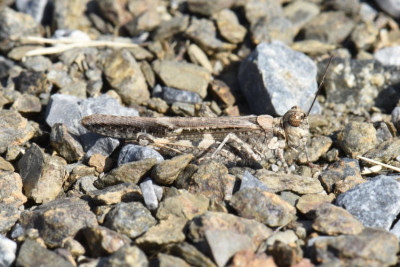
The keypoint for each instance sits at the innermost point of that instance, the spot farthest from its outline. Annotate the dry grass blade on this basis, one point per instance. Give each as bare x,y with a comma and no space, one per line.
379,163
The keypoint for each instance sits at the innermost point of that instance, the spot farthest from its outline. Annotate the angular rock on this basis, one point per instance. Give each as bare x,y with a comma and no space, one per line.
184,76
171,27
9,215
223,92
166,232
250,181
125,76
190,254
375,203
167,171
373,247
199,57
126,256
208,7
158,104
249,258
333,220
5,166
329,27
357,138
211,222
184,204
131,219
318,147
116,193
277,28
14,129
33,254
59,219
8,249
171,95
42,175
385,151
299,13
168,260
265,207
27,104
74,247
103,241
289,182
150,196
11,189
213,181
345,172
33,83
130,172
268,69
308,204
287,237
229,27
65,144
132,152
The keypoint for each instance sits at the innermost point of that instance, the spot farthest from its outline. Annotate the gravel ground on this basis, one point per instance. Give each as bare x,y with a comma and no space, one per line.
70,197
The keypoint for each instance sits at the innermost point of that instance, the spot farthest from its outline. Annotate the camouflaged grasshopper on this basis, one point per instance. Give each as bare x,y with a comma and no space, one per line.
254,138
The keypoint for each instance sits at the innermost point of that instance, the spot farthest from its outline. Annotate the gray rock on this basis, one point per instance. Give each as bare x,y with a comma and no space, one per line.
9,215
105,104
42,175
229,26
250,181
277,28
11,189
167,171
126,256
56,111
34,8
275,78
27,104
131,219
116,194
357,138
132,152
149,194
8,249
265,207
373,247
65,144
33,254
171,95
390,6
173,26
37,63
299,13
208,7
190,254
168,260
184,76
60,218
375,203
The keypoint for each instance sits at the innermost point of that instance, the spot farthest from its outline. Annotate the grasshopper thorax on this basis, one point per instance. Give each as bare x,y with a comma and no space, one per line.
295,126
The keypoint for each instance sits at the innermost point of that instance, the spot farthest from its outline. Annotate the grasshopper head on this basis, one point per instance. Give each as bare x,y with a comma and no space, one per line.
295,125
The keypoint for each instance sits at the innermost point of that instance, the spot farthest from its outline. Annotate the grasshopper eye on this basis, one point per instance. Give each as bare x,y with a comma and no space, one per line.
295,120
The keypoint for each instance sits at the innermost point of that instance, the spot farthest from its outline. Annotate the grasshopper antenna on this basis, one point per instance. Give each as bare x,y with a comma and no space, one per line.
320,85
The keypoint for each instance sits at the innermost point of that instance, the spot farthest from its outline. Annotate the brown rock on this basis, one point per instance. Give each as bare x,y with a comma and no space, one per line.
127,256
333,220
190,254
165,260
167,171
385,151
310,202
65,144
251,259
11,189
26,103
357,138
265,207
42,175
318,147
116,193
9,214
229,27
208,7
223,92
100,162
5,166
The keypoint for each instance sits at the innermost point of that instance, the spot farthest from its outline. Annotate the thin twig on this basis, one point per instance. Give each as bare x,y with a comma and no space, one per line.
67,44
379,163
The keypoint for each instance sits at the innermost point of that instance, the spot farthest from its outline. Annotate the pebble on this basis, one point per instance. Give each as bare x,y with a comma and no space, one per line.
357,138
130,153
11,189
374,203
300,12
167,171
309,203
131,219
171,95
229,27
66,144
275,67
130,255
250,181
385,151
9,215
149,194
115,194
265,207
8,249
390,7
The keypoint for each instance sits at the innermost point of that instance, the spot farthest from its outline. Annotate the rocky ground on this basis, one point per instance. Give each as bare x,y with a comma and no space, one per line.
69,197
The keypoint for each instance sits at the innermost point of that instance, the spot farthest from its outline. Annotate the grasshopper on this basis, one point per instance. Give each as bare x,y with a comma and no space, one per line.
257,139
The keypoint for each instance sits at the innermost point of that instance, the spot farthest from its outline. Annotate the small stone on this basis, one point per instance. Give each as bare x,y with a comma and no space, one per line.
171,27
309,203
357,138
27,104
130,172
164,260
385,151
131,219
166,232
37,64
157,104
375,203
74,247
318,146
183,109
5,165
390,6
171,95
333,220
60,219
14,129
265,207
208,7
184,204
250,181
346,170
33,83
364,36
249,258
330,27
132,152
8,249
278,182
11,189
383,133
184,76
65,144
116,193
287,237
42,175
85,184
190,254
124,75
273,62
127,255
285,255
299,13
103,241
148,73
213,181
204,34
223,92
9,215
100,162
372,247
167,171
229,27
276,28
312,47
149,194
197,56
77,171
290,197
32,253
